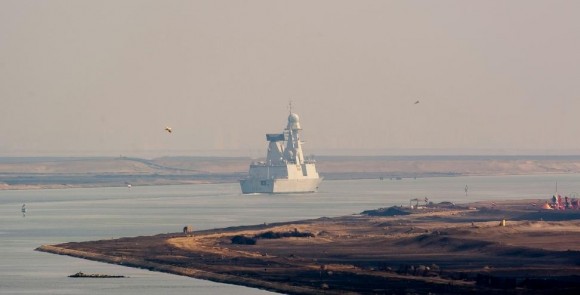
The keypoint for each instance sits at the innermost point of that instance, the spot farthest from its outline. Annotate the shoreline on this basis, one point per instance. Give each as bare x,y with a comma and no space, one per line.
446,250
6,187
60,173
143,264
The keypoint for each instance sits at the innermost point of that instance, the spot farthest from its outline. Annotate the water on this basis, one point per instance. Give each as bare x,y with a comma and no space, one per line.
65,215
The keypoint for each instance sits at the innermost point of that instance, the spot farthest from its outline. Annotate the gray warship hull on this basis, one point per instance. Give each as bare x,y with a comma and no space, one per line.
279,179
279,186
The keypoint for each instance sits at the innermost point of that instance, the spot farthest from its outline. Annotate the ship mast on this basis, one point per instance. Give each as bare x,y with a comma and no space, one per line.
293,151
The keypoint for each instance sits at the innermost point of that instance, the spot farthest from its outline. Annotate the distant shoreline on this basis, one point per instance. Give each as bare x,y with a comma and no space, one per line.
227,180
59,173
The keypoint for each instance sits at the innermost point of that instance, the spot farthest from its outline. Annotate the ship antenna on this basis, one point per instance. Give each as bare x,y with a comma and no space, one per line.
290,106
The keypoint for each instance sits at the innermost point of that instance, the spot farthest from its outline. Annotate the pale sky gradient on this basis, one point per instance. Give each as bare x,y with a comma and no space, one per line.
105,77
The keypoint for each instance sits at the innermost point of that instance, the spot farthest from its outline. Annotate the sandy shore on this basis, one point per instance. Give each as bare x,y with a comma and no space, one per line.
442,250
46,173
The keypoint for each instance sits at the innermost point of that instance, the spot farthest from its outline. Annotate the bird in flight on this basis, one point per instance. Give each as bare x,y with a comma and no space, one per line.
416,102
168,129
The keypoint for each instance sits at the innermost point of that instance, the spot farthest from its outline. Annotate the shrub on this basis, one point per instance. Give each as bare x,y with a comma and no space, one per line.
243,240
279,235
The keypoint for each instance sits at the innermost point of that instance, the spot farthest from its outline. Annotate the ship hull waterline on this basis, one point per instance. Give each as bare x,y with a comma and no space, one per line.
280,186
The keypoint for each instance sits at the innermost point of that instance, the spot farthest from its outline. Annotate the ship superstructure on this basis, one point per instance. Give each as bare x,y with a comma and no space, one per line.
285,170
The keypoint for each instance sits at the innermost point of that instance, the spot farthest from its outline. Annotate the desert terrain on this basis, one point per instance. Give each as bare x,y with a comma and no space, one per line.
50,172
510,247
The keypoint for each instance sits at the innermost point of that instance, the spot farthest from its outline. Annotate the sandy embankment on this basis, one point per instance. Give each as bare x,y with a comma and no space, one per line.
442,250
44,173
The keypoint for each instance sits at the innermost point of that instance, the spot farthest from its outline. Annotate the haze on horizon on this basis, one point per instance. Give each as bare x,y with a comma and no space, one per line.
106,77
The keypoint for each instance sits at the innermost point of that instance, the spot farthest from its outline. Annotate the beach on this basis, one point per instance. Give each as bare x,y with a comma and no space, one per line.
439,248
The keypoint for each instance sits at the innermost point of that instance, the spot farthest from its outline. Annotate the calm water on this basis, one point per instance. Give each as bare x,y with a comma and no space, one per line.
57,216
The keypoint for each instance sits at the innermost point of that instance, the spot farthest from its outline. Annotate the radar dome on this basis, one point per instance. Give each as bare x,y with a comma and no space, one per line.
293,118
293,121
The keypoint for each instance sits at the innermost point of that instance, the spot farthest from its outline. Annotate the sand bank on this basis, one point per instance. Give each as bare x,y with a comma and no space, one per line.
45,173
443,250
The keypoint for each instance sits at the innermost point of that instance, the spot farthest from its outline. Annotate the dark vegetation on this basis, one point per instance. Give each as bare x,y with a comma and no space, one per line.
391,211
243,240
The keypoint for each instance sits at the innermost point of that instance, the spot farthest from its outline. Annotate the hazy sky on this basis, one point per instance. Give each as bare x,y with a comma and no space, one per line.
105,77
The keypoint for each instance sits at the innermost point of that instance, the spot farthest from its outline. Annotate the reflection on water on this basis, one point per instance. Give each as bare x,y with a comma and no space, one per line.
57,216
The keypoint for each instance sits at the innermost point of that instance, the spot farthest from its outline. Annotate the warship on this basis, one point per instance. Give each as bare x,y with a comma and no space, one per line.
285,170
